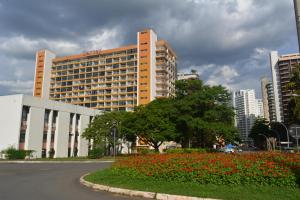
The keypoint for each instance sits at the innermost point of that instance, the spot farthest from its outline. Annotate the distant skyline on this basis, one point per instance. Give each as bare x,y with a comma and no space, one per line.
227,41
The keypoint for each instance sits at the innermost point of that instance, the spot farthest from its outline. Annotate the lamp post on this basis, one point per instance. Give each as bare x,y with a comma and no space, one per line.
114,124
287,133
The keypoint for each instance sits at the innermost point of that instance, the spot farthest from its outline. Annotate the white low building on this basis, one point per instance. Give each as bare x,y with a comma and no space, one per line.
49,128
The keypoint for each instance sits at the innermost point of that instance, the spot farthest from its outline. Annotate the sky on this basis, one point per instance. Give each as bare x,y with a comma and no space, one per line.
227,41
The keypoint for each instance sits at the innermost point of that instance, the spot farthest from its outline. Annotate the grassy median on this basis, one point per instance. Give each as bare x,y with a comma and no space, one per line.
107,177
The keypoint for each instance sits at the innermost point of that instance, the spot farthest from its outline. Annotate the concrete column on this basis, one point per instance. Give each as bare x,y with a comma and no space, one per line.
34,132
62,135
48,144
83,144
73,134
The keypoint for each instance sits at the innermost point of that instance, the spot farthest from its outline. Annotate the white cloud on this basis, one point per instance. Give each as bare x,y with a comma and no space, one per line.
17,86
223,75
103,39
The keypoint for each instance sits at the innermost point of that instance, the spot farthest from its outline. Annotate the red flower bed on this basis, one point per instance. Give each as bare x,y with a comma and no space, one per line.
250,168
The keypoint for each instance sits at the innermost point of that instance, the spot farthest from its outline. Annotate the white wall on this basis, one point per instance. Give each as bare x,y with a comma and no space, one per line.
276,84
34,132
49,56
83,143
153,40
10,121
62,135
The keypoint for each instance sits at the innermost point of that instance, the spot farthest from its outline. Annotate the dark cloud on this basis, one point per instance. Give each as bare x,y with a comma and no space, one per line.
226,40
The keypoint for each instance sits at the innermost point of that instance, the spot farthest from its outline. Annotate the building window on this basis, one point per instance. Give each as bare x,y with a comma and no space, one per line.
143,83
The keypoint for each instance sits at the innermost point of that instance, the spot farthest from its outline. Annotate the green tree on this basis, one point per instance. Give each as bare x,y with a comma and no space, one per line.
152,123
261,127
294,87
100,130
202,113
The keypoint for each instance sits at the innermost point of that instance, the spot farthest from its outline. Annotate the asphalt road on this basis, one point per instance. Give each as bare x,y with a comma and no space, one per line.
52,181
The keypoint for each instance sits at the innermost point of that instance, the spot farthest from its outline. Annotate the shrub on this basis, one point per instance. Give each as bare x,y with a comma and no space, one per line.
146,151
96,153
14,154
189,150
276,169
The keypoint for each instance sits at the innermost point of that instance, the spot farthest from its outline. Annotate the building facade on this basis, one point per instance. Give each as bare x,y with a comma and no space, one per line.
247,109
49,128
271,102
185,76
297,16
264,92
282,66
110,80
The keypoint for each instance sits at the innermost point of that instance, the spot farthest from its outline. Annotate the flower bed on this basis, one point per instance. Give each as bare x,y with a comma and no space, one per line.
276,169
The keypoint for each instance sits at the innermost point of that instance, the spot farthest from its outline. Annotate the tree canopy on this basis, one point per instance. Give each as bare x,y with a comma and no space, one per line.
194,118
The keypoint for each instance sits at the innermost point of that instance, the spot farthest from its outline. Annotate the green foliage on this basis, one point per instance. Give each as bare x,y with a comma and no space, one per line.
261,127
226,192
189,150
202,113
14,154
194,118
96,153
276,169
146,151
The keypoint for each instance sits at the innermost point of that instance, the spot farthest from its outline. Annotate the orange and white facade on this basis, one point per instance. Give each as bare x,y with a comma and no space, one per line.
109,80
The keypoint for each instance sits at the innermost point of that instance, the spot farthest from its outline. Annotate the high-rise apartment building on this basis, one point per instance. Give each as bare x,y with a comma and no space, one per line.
185,76
264,92
268,99
282,66
297,16
109,80
247,109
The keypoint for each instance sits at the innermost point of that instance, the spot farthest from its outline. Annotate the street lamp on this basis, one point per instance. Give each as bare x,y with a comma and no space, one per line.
114,124
287,133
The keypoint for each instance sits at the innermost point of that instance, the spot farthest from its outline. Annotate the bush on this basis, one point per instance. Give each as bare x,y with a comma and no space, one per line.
189,150
146,151
96,153
275,169
14,154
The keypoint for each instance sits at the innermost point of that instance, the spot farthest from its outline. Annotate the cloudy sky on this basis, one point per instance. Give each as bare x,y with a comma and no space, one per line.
227,41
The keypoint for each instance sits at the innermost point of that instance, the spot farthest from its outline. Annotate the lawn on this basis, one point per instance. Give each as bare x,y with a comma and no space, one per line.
215,175
107,177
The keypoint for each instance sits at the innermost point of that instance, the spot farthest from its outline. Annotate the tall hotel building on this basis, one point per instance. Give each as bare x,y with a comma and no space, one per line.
282,66
109,80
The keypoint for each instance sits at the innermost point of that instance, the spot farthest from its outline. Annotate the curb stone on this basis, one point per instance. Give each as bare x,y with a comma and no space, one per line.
136,193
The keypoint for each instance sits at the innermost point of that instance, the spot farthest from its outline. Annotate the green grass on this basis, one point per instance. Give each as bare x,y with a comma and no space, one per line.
231,192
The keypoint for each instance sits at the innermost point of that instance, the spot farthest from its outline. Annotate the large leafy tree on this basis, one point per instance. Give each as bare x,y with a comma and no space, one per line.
202,113
260,131
152,123
294,87
101,129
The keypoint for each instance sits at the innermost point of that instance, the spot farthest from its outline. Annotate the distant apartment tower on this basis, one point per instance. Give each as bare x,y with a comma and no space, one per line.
110,80
185,76
264,91
297,16
271,102
282,67
247,109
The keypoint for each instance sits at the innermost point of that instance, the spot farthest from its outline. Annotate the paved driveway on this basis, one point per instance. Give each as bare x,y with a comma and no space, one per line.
51,181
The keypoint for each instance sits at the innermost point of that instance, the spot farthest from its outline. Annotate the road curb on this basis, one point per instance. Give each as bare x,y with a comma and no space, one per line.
136,193
35,162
